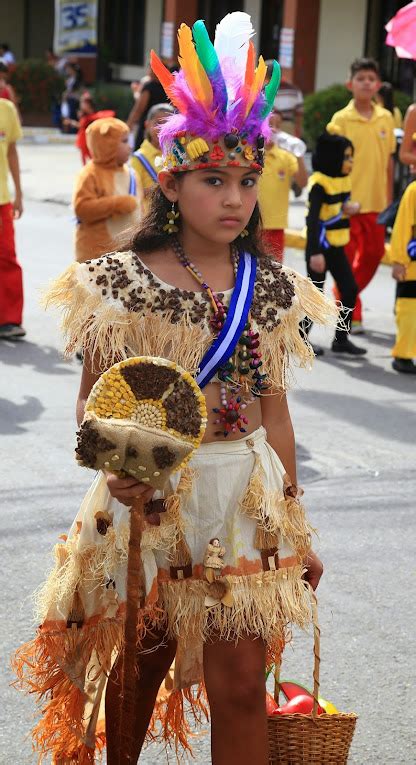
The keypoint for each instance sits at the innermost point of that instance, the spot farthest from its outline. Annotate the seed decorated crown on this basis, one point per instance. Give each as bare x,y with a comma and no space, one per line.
220,97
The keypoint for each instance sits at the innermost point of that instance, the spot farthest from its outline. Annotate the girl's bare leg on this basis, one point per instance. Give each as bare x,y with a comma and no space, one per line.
234,678
152,669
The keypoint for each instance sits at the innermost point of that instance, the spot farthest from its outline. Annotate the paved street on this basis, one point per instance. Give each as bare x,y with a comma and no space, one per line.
355,426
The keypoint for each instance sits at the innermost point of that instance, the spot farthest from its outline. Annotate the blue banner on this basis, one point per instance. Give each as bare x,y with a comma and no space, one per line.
75,27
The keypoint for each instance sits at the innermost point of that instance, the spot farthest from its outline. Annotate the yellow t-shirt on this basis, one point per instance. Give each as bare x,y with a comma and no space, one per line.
373,142
274,185
404,230
10,132
150,152
397,117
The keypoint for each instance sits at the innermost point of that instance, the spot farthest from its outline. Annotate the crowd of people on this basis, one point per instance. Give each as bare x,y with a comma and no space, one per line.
346,194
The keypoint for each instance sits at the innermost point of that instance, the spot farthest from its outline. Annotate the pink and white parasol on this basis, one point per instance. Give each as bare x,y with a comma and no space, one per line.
401,32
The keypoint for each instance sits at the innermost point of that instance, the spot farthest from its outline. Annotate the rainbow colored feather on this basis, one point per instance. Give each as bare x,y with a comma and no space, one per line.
210,61
196,76
218,88
257,85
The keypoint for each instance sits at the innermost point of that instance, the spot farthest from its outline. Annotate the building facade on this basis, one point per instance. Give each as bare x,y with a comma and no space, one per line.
315,40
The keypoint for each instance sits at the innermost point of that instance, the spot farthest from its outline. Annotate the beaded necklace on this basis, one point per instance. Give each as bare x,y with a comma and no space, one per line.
240,377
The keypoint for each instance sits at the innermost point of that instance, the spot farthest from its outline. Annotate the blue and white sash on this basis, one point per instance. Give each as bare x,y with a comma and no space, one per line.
146,164
133,182
411,249
323,224
224,345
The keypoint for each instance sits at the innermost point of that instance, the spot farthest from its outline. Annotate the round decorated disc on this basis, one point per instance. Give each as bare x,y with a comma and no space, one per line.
144,416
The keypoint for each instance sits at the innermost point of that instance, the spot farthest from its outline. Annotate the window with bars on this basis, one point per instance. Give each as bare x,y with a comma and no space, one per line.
271,24
399,71
122,27
212,11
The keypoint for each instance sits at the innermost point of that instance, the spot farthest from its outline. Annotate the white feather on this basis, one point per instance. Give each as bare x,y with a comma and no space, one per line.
232,37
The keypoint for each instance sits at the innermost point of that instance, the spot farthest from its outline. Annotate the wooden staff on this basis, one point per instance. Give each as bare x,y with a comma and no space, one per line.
134,601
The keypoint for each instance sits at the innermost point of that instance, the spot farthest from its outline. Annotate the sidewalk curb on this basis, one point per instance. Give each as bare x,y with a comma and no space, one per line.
41,135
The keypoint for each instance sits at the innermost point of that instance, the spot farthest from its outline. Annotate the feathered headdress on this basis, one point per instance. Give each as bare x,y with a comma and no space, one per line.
220,97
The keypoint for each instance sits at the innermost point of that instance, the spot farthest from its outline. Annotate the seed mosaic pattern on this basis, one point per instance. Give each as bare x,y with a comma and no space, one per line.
123,278
152,392
156,413
89,443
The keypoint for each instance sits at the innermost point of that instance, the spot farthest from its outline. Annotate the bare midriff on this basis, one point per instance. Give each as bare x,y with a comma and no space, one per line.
212,397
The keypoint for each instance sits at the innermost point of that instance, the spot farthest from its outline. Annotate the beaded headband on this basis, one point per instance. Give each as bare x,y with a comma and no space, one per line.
219,94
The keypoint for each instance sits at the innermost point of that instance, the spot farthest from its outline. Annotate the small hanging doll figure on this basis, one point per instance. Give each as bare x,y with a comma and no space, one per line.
213,560
218,591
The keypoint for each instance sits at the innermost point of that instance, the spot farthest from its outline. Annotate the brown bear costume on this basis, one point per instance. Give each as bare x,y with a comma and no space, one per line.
105,204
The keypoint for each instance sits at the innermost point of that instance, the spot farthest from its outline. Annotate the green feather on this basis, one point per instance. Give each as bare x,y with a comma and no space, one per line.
271,89
204,47
210,61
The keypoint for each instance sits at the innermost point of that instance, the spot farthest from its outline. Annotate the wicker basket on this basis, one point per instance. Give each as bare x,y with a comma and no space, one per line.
310,739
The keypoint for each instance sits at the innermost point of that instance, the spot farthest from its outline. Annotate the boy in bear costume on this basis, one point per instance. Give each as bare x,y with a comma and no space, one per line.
107,198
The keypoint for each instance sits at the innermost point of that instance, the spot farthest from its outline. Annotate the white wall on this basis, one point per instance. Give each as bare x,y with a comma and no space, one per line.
152,31
341,39
153,25
253,7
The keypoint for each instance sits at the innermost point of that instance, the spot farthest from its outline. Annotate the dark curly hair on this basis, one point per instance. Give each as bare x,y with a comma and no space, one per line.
151,236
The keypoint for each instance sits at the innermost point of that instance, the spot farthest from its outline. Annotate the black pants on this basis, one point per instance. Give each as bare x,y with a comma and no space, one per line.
338,266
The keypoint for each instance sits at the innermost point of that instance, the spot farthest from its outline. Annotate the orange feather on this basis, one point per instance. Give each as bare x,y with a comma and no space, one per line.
167,80
250,65
249,75
196,76
259,77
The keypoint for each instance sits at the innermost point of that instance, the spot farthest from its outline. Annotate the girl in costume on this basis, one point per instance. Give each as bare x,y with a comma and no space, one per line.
144,160
225,563
328,228
87,114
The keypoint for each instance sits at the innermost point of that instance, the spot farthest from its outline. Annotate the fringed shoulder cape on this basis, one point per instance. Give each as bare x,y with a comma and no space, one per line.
113,308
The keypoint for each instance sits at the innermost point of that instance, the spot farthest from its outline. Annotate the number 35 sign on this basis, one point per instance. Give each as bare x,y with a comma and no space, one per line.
75,26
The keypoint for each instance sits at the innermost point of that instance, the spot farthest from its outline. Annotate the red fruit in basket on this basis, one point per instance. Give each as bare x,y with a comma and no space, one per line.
290,689
271,705
299,705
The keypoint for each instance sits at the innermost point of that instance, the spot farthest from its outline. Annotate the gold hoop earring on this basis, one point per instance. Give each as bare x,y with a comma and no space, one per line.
170,227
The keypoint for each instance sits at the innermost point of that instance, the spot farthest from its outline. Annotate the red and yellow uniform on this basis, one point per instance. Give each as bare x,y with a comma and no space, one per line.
374,143
11,280
274,186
